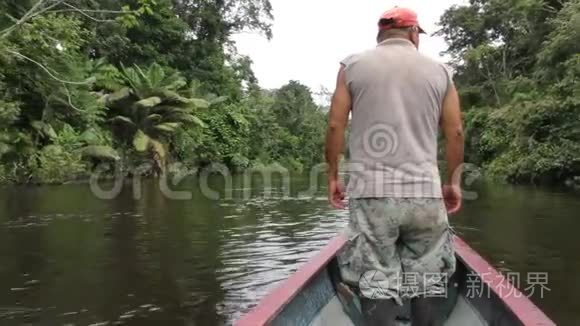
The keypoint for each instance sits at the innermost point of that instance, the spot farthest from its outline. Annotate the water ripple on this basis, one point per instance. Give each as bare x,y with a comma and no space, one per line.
255,258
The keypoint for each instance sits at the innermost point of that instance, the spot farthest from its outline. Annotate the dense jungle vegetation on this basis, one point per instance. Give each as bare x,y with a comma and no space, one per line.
125,82
517,66
87,83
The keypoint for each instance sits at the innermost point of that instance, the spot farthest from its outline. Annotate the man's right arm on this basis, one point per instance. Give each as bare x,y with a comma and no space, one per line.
337,122
453,130
452,125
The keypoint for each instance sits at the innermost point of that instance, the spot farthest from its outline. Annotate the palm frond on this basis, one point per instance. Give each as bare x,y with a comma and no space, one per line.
174,82
43,129
100,152
119,95
170,96
155,75
167,126
141,141
143,79
130,76
217,100
153,118
169,109
184,118
159,148
198,121
200,103
148,102
122,119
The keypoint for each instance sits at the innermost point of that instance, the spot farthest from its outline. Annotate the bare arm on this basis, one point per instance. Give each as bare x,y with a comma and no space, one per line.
452,125
337,122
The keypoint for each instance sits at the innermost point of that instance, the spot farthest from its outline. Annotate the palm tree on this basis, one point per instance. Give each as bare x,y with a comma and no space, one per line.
152,107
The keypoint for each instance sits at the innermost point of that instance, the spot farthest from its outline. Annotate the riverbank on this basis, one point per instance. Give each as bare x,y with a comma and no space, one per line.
110,172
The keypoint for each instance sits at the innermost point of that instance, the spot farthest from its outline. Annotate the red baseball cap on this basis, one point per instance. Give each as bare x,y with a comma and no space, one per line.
399,18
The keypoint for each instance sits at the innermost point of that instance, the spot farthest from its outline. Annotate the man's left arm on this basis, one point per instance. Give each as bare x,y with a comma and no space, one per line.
337,122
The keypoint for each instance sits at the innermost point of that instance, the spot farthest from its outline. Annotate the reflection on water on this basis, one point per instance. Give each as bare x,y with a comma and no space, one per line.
67,257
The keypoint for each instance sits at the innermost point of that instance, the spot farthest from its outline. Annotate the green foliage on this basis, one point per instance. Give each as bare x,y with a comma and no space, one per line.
155,80
12,141
262,129
151,108
302,126
99,152
54,164
518,68
562,45
226,138
140,78
239,162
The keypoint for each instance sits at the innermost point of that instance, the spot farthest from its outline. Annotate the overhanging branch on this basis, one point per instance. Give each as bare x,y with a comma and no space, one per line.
46,69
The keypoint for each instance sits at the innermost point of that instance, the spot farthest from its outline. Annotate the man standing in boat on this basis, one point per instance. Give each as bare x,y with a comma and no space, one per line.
400,242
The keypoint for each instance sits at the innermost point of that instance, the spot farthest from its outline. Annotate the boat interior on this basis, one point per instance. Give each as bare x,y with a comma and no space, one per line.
324,303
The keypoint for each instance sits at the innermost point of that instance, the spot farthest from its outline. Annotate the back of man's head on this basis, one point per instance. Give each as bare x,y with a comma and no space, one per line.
399,23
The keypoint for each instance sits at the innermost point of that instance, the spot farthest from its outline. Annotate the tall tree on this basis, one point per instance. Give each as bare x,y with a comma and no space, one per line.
517,64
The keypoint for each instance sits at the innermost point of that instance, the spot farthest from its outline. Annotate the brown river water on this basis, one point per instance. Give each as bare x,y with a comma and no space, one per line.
68,257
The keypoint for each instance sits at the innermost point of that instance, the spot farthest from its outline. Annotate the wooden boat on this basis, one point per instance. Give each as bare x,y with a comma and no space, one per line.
313,296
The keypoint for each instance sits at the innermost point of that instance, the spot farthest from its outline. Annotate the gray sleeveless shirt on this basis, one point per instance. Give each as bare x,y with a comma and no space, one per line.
397,96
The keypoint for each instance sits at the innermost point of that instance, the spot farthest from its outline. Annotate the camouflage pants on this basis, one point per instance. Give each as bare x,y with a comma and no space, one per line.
398,248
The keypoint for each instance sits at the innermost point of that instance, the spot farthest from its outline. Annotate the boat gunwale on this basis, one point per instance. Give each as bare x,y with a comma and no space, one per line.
517,303
273,303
